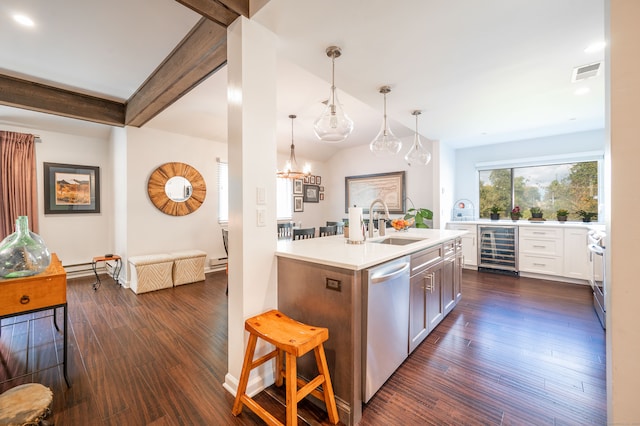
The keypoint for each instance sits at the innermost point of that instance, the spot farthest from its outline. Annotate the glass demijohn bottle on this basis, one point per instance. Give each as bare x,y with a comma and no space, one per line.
23,253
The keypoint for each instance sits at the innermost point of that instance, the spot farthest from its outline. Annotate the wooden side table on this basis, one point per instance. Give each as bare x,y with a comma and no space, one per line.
116,270
41,292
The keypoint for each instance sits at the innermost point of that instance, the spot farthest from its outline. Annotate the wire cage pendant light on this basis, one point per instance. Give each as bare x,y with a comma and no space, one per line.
385,143
418,154
333,125
291,169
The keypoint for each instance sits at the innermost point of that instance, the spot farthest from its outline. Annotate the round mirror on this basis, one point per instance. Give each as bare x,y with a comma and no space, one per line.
176,189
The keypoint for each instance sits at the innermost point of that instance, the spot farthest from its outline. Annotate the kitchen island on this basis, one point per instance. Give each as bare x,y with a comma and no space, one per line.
324,282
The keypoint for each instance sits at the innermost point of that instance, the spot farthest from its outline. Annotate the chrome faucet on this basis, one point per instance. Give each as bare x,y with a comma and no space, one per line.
386,213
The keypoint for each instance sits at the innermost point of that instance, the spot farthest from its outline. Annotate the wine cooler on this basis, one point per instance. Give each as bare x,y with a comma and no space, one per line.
498,249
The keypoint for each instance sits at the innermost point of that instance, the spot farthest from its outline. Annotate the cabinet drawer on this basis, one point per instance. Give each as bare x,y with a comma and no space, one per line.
19,296
425,258
540,264
449,248
548,247
530,231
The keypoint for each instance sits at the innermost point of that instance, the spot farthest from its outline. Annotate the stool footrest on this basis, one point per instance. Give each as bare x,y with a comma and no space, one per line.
309,387
314,391
264,359
261,412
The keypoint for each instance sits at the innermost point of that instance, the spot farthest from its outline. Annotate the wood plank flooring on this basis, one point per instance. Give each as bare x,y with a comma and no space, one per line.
515,351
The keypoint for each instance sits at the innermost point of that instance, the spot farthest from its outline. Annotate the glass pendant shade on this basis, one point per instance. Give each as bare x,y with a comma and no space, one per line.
417,155
23,253
291,169
385,143
333,125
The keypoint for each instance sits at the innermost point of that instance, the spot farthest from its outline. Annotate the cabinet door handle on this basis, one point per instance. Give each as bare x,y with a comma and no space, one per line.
24,299
540,246
540,264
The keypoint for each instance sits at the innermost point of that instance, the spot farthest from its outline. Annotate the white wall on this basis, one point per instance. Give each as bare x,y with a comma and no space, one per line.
76,238
149,230
466,186
360,161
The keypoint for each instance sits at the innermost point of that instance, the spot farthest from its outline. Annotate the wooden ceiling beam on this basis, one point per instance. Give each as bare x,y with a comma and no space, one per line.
222,12
202,52
19,93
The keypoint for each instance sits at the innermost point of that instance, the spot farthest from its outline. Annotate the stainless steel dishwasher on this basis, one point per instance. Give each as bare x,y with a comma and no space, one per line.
386,322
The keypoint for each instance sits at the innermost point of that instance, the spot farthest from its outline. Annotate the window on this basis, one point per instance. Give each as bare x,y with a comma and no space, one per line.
284,196
572,186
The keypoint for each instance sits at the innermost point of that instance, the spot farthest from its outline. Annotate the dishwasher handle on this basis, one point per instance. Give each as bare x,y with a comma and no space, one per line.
387,275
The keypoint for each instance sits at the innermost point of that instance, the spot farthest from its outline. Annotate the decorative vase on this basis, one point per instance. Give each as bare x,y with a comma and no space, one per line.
562,218
515,217
495,216
536,215
23,253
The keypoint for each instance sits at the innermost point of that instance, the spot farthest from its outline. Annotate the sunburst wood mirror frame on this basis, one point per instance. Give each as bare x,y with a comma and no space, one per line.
192,198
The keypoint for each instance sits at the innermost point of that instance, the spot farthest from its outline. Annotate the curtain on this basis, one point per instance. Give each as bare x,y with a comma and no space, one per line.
18,181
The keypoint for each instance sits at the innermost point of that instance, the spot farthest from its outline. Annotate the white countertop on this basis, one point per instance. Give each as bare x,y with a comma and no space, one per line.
334,250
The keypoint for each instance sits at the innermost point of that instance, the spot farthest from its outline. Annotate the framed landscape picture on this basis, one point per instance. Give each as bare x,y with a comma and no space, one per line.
70,188
362,190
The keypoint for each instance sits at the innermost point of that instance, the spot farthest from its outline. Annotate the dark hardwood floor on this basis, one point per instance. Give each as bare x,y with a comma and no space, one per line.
515,351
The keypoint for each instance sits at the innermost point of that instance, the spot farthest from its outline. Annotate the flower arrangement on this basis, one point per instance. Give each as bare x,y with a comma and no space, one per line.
516,213
402,224
495,209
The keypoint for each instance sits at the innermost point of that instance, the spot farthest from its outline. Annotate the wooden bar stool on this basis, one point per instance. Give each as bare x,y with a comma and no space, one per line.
291,339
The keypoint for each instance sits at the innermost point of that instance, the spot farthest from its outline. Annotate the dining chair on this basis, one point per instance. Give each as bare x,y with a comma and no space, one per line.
325,231
304,233
339,227
225,241
284,230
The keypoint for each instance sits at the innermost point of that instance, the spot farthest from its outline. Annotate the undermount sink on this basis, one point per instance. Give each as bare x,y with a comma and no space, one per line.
395,241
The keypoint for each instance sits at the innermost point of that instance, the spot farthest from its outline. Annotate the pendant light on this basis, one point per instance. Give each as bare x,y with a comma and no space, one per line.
417,155
291,169
333,125
386,143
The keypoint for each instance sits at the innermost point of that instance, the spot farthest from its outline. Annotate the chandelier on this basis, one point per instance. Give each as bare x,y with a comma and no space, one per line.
386,143
418,154
291,169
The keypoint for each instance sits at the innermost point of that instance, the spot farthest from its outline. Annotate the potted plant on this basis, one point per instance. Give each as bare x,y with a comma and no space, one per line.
562,215
516,213
536,212
419,215
495,212
586,216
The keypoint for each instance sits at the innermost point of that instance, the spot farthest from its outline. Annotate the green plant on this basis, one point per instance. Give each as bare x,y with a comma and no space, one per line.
535,210
419,215
586,215
495,209
562,212
515,212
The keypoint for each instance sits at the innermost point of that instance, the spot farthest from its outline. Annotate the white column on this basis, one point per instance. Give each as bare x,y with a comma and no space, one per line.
251,66
623,236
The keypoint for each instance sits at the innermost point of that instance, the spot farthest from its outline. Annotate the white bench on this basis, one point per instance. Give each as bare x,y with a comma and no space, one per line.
188,266
151,272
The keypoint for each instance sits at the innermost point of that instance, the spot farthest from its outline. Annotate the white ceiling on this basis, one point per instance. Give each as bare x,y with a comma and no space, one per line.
482,71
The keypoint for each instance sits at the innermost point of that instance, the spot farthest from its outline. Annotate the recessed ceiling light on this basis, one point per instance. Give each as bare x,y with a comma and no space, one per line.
582,91
595,47
23,20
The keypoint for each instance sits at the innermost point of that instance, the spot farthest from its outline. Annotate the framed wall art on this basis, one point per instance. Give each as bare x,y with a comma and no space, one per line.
70,188
298,204
311,193
362,190
297,186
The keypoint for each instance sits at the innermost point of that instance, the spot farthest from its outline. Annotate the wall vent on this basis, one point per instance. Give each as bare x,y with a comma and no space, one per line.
586,71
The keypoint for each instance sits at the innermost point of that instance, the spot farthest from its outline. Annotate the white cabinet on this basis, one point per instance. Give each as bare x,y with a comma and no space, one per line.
576,254
541,250
469,243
